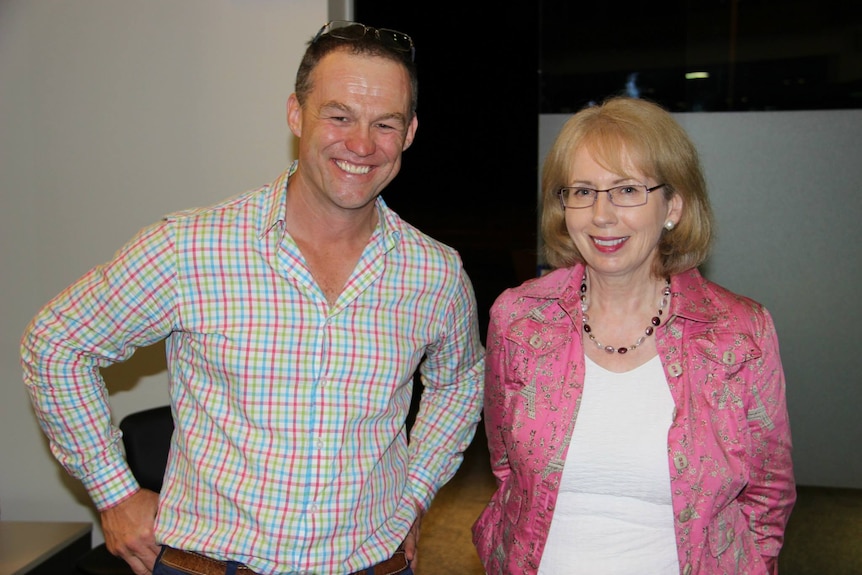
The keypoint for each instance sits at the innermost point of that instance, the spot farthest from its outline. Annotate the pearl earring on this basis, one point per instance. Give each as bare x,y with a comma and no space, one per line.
669,226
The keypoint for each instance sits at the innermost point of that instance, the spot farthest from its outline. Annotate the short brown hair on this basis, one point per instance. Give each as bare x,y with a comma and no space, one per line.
631,129
367,45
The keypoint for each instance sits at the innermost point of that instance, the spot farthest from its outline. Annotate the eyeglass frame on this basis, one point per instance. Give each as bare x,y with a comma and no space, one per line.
328,29
608,192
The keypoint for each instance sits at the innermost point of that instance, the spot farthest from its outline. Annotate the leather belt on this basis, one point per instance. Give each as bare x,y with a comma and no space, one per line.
197,564
396,564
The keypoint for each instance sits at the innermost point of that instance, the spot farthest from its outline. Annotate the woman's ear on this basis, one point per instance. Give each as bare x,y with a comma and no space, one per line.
674,209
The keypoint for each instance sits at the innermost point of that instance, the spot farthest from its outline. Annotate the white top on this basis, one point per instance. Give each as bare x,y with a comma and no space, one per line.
614,514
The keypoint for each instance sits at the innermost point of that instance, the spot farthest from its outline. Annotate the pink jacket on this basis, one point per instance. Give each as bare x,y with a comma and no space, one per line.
729,448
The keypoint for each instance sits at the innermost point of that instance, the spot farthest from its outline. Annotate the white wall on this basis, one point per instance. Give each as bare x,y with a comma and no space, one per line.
786,188
113,113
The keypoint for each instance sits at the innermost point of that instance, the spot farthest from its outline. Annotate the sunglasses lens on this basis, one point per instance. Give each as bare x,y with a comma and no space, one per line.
398,40
347,30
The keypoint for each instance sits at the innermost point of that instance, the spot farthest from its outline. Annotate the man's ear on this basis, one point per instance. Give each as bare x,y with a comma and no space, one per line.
411,133
294,115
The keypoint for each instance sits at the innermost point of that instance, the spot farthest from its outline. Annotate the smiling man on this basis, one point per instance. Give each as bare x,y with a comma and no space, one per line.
295,317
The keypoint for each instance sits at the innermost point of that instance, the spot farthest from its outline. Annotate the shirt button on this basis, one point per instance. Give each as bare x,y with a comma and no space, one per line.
680,461
674,369
687,569
319,443
729,358
536,341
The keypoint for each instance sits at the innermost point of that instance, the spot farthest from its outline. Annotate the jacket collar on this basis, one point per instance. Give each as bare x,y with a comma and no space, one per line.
692,297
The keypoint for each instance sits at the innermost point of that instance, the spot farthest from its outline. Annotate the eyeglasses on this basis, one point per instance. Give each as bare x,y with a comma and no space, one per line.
347,30
628,196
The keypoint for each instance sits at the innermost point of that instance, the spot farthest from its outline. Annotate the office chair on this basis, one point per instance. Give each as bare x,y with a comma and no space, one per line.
147,440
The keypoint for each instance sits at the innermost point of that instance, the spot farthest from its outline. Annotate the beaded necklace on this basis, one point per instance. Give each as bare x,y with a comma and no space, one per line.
654,322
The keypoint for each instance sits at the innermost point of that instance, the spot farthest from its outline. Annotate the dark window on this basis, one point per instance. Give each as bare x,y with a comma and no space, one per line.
744,54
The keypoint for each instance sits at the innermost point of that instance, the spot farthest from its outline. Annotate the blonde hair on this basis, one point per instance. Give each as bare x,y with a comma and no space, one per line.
618,131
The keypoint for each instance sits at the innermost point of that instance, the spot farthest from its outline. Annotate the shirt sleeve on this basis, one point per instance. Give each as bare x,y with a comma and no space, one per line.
771,493
495,401
451,401
97,321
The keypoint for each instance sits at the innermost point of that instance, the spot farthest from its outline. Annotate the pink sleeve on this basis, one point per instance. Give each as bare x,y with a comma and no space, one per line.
771,493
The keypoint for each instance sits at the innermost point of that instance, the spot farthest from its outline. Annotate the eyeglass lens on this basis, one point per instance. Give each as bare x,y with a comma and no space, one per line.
624,196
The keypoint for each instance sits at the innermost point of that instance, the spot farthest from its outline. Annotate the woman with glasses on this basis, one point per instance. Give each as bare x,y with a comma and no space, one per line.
635,411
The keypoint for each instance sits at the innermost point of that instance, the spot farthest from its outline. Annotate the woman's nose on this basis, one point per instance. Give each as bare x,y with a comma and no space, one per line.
603,209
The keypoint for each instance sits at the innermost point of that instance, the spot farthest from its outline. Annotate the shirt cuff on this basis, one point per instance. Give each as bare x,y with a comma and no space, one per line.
111,485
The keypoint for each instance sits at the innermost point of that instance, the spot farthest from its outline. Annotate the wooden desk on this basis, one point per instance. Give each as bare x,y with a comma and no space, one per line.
42,548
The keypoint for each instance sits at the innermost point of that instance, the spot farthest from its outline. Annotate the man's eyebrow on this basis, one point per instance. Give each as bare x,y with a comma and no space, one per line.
396,116
335,105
